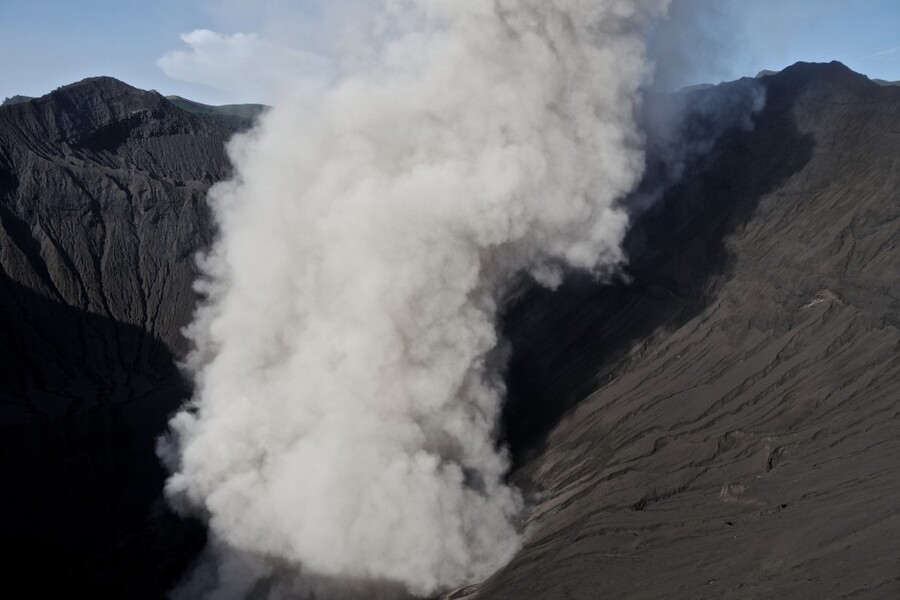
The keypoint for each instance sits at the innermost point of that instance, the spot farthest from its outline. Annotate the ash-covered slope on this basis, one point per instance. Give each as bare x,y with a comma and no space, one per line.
726,425
102,209
742,430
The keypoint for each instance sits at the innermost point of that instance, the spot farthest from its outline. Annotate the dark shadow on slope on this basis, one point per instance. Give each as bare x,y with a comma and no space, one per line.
82,400
566,343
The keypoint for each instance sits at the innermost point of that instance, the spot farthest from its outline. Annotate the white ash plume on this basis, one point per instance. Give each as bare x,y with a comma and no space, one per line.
344,424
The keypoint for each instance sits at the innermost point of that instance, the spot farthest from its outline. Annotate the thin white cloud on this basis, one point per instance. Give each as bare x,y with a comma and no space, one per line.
890,53
244,65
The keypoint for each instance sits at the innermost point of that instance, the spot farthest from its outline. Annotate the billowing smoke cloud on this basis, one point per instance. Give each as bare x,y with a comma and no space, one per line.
348,377
680,129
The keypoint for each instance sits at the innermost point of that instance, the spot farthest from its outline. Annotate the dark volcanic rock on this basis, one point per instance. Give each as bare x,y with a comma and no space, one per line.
728,425
724,425
102,208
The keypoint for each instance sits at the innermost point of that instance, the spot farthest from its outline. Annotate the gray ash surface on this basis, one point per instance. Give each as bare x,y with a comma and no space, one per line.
725,425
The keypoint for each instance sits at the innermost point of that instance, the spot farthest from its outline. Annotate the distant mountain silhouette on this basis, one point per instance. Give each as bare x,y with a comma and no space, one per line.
230,114
16,100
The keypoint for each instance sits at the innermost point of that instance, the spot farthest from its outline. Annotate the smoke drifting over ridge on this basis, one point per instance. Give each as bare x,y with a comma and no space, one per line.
348,377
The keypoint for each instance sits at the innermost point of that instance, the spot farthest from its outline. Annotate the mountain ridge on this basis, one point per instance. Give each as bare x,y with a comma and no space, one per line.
714,428
102,209
673,435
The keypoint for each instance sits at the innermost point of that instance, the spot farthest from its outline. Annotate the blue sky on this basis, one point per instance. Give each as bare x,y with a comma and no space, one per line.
48,43
863,34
